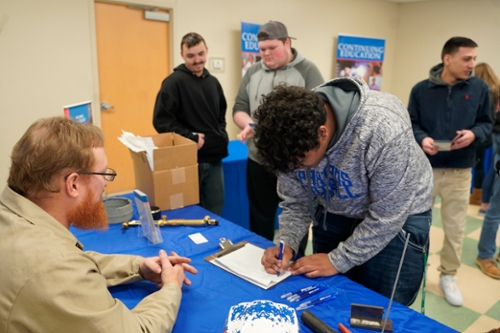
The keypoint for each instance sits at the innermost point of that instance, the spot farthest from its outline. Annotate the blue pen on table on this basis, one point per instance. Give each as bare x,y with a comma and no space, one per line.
280,254
299,296
303,295
323,299
306,293
292,293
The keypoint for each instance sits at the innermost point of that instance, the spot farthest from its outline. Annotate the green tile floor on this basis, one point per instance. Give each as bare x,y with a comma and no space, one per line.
481,309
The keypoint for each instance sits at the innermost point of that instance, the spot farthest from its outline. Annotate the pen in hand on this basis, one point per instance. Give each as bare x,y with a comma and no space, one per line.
280,255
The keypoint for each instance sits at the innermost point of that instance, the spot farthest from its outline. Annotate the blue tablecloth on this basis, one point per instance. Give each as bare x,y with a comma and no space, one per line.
236,207
487,164
205,305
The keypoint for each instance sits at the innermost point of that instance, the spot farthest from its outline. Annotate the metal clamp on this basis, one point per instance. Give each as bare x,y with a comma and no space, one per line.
227,247
206,221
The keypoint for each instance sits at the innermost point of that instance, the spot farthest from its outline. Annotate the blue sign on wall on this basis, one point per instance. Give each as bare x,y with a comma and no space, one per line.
249,42
81,112
250,52
360,48
362,57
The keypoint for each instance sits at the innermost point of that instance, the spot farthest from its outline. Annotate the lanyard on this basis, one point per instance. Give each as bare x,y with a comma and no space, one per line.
422,306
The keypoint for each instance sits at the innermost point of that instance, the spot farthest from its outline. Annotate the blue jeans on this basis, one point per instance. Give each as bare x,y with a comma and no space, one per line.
379,272
487,185
487,247
489,179
211,182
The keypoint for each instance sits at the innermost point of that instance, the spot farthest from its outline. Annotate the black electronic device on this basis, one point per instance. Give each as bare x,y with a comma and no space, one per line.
315,324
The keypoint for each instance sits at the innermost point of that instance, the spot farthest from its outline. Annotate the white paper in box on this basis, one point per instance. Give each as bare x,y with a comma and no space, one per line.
139,144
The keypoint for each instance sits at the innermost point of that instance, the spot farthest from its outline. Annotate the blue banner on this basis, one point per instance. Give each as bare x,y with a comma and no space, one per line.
250,52
360,48
361,56
249,42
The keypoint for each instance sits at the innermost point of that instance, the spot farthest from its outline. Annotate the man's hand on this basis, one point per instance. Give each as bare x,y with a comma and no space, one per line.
270,259
313,266
428,146
463,139
201,140
246,133
152,268
169,272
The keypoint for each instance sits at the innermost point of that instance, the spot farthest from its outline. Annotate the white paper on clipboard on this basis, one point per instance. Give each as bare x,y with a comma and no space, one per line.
246,264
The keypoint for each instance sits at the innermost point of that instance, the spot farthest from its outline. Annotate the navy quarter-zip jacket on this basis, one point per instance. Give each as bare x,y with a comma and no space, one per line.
438,110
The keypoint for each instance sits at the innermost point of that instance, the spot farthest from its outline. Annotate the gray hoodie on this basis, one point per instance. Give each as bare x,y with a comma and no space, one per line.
259,80
373,170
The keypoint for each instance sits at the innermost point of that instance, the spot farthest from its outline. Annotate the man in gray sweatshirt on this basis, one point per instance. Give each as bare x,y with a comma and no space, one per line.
347,160
280,63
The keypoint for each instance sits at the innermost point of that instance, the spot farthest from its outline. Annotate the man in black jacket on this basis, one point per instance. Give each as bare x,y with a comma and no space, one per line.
191,103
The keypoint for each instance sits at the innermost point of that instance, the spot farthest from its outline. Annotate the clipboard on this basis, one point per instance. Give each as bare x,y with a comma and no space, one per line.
226,247
243,260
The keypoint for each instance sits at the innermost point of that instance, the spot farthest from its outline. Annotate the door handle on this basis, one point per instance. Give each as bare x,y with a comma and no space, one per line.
105,106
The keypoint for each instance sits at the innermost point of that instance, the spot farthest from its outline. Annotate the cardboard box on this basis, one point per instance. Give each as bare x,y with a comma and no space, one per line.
174,151
174,181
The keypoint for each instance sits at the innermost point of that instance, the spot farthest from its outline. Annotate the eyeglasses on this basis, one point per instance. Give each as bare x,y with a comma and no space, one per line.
109,175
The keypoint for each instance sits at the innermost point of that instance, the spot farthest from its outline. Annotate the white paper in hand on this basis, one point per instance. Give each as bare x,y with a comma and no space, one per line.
443,145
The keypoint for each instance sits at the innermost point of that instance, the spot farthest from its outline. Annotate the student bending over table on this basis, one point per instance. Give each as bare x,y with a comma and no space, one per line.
346,159
49,284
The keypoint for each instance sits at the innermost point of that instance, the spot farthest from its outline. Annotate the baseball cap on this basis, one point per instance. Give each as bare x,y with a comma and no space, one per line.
273,30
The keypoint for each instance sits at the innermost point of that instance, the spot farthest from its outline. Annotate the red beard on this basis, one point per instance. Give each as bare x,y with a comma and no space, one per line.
89,215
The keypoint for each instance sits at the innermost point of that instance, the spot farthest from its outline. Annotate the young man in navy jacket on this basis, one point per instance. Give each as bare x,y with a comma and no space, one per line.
452,105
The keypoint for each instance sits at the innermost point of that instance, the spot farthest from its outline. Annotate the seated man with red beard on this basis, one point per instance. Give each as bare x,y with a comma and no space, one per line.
49,284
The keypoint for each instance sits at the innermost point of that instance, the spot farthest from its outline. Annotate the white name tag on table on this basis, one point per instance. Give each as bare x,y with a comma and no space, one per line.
198,238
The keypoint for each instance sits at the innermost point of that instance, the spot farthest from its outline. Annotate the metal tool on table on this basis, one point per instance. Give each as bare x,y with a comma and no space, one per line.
315,324
369,317
206,221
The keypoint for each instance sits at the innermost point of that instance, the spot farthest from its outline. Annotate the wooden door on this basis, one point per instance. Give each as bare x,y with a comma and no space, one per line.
133,59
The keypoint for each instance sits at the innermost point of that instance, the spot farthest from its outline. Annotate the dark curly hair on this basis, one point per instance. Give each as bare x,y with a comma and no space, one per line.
288,120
